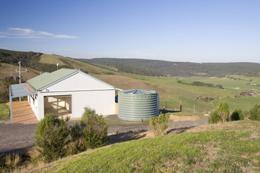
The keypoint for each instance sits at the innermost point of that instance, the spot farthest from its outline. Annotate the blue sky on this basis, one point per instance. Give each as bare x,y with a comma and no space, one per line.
176,30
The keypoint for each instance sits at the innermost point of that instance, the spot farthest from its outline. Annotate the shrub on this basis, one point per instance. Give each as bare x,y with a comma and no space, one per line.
4,112
88,112
76,143
237,115
95,129
223,111
159,124
52,135
4,92
214,118
10,161
221,114
254,113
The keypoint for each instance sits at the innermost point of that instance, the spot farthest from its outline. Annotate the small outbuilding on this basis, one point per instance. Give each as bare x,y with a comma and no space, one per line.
65,92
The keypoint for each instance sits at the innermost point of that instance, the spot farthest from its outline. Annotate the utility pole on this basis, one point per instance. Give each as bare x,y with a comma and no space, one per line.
19,71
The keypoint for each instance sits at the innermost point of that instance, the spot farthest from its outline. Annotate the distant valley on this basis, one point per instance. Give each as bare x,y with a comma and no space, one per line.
168,68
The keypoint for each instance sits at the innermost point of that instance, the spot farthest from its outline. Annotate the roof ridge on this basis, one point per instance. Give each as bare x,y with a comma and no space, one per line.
46,79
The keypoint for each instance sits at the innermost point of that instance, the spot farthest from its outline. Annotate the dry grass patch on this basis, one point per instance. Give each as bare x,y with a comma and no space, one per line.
174,117
51,59
124,82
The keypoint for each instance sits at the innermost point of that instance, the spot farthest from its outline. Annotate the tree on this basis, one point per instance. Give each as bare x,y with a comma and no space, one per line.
4,93
76,143
94,129
52,135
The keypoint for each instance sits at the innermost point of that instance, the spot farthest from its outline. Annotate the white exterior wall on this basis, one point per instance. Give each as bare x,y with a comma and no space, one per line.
86,91
103,102
34,105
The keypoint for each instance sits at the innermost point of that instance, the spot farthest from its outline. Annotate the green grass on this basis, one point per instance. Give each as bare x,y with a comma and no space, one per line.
234,147
4,112
73,63
172,93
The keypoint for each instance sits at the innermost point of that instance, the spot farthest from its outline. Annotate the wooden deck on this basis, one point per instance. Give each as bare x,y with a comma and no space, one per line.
22,113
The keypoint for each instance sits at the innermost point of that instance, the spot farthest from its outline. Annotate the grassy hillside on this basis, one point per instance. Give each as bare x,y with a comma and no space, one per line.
233,147
47,62
195,99
168,68
36,63
72,63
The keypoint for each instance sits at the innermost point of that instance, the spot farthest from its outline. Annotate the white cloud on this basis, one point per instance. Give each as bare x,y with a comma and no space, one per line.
29,33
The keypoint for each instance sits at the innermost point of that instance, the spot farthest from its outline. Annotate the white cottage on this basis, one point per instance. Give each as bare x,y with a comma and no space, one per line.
66,92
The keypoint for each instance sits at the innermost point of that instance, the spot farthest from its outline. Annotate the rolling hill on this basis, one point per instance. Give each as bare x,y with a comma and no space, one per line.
230,147
198,87
197,94
47,62
168,68
35,63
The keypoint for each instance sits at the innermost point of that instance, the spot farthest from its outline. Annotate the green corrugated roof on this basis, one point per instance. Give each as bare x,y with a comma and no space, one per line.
46,79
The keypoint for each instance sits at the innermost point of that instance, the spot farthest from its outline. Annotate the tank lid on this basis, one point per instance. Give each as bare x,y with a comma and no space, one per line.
139,91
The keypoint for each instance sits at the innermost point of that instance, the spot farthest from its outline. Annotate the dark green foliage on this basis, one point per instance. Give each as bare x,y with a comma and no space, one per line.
255,113
4,93
95,129
168,68
52,135
76,143
237,115
203,84
12,160
88,112
222,114
159,124
28,59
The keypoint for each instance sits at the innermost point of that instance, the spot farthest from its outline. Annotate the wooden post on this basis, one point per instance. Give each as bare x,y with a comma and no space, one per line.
10,105
180,107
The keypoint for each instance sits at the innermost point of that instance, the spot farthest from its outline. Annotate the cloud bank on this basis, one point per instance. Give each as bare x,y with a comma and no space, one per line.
29,33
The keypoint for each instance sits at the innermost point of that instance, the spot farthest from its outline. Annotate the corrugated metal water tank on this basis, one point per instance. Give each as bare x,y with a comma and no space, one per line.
136,105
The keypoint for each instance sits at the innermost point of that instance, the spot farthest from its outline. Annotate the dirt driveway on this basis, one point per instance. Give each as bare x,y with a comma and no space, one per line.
16,136
21,136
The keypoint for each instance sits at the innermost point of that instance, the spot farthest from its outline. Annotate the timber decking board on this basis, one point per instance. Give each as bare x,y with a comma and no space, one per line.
22,113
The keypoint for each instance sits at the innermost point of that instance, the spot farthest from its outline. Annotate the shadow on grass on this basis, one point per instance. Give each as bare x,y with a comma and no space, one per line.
179,130
164,111
135,135
127,136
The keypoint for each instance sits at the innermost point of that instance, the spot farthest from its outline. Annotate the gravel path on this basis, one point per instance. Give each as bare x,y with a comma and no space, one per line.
173,125
16,136
20,136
